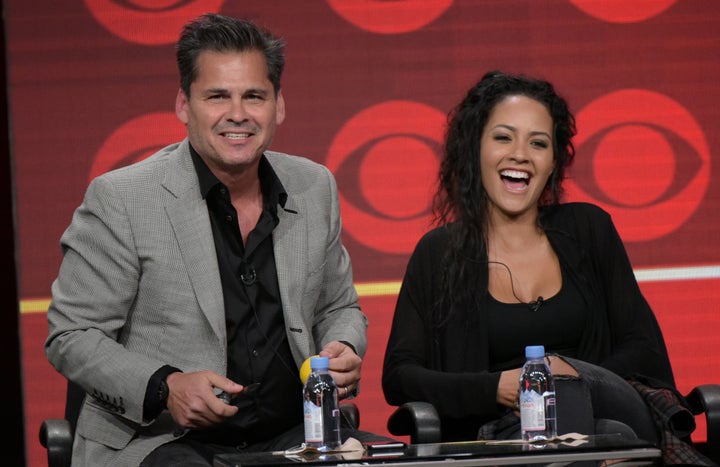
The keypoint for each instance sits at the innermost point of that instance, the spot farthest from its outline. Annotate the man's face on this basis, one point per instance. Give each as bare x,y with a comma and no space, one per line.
232,111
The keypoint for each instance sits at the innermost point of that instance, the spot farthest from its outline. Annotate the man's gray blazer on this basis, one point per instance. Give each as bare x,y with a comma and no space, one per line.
139,288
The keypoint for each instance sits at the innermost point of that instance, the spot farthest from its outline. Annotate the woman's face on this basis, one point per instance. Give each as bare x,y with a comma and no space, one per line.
516,155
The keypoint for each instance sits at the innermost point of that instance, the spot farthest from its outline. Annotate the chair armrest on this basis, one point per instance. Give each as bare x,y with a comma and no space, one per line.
706,399
420,420
57,436
350,413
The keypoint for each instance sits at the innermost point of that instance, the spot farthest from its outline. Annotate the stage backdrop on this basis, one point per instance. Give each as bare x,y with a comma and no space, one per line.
368,85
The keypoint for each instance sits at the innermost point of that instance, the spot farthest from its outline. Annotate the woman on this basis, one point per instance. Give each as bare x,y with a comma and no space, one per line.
509,266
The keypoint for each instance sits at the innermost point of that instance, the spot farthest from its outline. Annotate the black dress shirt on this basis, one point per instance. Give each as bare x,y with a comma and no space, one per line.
258,348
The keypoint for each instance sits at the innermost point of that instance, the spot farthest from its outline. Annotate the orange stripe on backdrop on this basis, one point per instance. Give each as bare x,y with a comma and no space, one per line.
364,290
686,309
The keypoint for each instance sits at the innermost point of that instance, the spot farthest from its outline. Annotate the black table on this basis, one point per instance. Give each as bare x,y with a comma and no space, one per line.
595,448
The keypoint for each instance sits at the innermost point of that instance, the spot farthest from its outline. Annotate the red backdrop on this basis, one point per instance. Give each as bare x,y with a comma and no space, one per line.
368,84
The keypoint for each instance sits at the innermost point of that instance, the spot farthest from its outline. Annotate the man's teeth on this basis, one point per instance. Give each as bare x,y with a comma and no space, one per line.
236,135
514,174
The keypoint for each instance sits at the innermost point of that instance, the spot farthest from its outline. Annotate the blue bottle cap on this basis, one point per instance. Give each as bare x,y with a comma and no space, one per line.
535,351
317,363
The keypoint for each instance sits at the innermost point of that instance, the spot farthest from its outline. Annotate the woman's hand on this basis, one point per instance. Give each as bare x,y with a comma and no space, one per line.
508,391
508,388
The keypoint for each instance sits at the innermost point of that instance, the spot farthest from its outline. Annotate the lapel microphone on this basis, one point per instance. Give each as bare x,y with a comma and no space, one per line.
536,304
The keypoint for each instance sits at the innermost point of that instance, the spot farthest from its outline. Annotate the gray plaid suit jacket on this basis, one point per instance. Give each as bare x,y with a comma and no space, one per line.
139,288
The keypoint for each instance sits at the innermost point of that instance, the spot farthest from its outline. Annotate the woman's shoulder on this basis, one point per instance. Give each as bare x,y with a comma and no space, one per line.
576,214
430,245
427,256
433,237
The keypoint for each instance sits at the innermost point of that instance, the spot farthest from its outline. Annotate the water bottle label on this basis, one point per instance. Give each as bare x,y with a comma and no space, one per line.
313,422
532,411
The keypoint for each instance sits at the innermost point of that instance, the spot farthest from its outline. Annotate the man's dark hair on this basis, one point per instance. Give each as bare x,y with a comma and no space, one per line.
220,33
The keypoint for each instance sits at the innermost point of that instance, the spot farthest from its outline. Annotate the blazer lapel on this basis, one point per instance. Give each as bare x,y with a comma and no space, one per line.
290,247
190,220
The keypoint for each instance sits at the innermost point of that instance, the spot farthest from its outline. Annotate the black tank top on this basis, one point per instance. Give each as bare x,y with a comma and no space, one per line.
557,324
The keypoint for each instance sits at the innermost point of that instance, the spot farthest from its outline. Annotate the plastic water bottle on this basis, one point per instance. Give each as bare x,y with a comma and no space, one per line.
537,397
320,407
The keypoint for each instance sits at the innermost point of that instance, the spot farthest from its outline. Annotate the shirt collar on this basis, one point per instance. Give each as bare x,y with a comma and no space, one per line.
272,189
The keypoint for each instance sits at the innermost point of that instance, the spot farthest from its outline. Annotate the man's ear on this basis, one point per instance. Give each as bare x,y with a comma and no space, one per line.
280,108
181,103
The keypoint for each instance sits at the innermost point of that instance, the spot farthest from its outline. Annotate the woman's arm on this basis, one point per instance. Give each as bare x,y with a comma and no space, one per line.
410,371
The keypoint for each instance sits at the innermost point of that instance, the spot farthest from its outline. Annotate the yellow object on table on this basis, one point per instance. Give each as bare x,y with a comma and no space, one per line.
305,369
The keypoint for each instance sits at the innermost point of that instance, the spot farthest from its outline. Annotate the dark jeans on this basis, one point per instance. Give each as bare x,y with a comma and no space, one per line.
192,453
596,402
604,395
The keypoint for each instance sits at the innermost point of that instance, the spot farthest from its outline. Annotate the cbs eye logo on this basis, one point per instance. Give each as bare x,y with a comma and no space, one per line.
148,22
136,140
394,17
623,12
386,160
642,157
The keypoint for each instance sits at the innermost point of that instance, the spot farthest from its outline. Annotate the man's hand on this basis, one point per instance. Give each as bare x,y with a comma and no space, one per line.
192,400
345,367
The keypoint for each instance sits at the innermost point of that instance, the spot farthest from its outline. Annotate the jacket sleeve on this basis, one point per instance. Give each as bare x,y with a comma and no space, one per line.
637,344
409,373
91,301
337,314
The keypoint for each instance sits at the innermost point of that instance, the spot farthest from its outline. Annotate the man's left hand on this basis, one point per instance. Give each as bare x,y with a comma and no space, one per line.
345,367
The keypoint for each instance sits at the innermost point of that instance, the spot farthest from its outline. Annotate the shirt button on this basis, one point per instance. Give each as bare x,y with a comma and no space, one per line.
228,218
255,353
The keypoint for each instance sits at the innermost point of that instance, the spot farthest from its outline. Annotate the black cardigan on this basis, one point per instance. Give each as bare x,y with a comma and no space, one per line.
622,334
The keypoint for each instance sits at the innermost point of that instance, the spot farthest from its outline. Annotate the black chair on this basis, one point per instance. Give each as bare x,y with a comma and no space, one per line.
705,399
56,434
421,422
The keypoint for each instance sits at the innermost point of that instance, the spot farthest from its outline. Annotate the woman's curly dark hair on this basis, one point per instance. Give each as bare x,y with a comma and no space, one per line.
461,200
460,182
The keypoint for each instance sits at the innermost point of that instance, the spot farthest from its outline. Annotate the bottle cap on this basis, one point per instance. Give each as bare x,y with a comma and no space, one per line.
535,351
317,363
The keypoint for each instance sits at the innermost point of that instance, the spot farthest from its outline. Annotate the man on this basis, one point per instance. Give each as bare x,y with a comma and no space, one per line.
209,266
